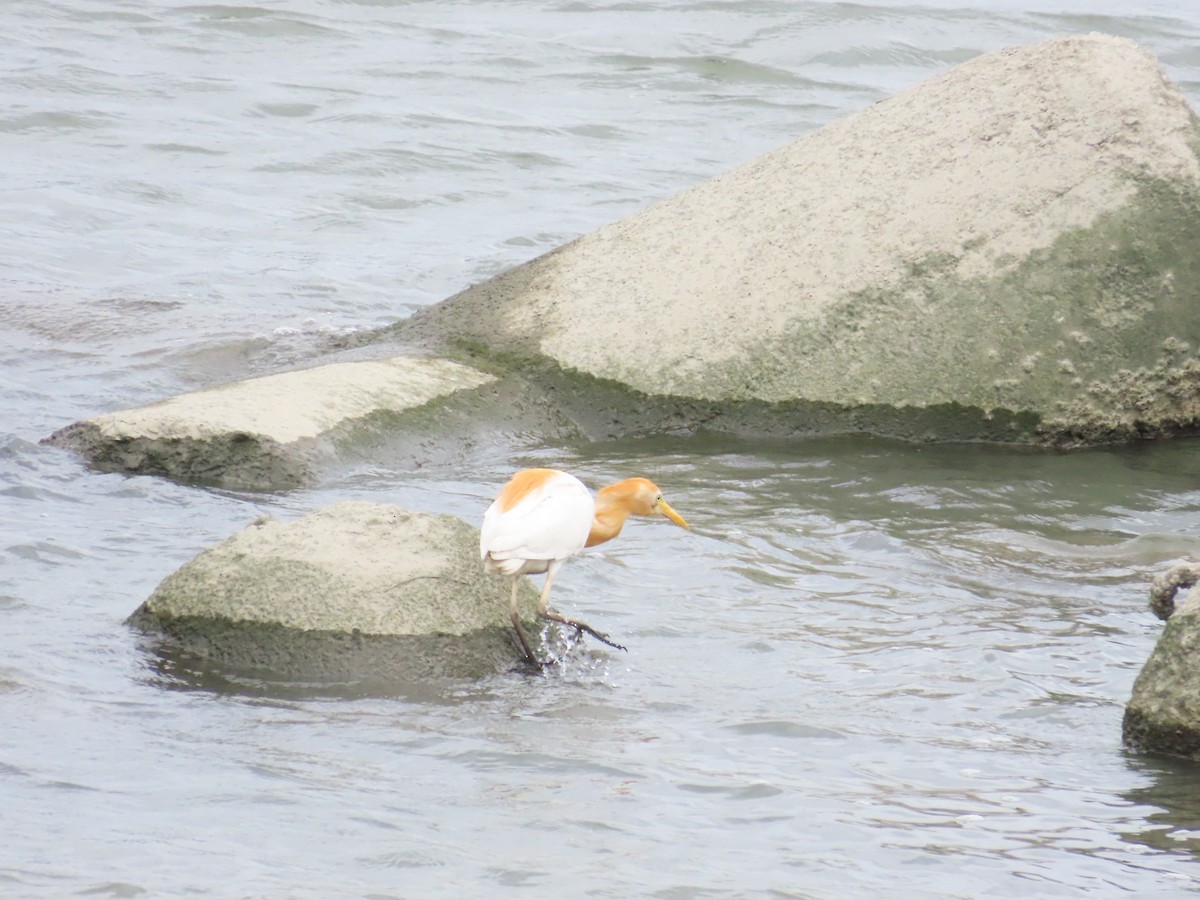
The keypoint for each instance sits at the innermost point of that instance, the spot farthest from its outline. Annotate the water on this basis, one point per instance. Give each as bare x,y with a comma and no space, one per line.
871,669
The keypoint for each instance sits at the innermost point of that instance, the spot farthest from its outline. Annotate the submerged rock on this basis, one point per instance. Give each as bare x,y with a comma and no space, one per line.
353,591
1008,251
266,433
1163,716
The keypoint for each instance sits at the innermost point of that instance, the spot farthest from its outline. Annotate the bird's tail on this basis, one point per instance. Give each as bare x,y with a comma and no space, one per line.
503,566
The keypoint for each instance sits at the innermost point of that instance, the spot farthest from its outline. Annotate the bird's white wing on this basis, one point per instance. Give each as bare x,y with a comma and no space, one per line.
550,522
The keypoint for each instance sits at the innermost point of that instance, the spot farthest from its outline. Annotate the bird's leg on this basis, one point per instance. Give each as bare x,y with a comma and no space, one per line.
582,626
545,613
516,621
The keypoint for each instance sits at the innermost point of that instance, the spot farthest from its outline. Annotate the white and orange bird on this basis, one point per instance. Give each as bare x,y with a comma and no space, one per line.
543,517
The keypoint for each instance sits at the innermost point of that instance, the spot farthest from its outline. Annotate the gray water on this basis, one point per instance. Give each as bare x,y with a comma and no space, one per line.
872,669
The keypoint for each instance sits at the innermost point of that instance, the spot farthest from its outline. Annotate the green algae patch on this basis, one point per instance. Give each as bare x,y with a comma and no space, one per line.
270,652
236,460
604,409
1094,337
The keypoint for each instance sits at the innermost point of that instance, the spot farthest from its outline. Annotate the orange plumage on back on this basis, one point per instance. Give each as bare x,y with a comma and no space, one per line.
521,484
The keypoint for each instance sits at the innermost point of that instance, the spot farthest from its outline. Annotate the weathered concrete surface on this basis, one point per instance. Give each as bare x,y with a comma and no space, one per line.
1163,716
1008,251
267,433
355,590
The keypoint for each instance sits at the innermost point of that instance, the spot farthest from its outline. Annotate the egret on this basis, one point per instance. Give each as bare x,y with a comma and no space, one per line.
543,517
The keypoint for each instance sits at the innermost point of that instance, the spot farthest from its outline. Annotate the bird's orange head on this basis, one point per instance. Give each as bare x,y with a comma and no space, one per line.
637,497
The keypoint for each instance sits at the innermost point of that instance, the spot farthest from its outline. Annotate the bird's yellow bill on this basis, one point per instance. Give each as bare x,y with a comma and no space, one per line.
665,508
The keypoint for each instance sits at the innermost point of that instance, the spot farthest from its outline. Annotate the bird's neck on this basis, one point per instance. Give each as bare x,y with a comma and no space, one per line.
607,524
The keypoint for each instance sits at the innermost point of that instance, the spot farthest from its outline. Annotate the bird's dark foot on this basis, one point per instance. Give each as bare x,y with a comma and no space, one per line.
534,666
581,627
530,658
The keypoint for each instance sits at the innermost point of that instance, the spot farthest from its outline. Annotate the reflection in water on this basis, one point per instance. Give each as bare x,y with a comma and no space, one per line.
1171,793
318,666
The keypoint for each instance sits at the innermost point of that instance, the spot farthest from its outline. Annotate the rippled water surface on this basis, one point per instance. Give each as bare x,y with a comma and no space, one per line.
871,669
